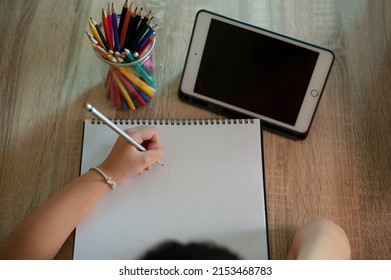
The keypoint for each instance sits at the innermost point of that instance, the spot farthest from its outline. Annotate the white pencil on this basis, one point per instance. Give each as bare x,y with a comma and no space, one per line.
119,131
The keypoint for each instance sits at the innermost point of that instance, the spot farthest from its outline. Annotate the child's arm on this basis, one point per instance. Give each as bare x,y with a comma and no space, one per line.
320,240
43,232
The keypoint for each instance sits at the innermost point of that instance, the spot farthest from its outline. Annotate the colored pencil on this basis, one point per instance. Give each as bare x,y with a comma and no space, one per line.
103,53
141,30
136,81
110,22
131,22
143,95
129,86
95,33
95,44
111,88
112,58
100,33
118,56
124,103
92,39
115,28
117,95
123,89
106,29
143,22
142,48
145,37
125,26
132,31
141,70
122,19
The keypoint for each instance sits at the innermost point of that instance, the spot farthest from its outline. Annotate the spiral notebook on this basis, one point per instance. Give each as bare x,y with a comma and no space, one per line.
210,189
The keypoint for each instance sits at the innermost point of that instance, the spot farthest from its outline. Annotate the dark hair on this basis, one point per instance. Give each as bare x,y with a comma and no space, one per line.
173,250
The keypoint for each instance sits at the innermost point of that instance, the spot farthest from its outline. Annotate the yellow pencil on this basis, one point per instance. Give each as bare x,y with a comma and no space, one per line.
123,89
95,33
139,83
102,51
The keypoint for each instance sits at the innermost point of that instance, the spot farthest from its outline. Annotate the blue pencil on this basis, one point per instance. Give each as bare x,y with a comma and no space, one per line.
142,94
115,28
147,34
123,101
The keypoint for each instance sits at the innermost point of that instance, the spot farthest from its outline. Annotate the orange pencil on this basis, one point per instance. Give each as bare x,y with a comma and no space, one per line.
106,29
117,96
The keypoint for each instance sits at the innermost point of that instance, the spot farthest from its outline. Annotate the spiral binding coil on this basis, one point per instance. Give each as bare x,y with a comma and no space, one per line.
178,121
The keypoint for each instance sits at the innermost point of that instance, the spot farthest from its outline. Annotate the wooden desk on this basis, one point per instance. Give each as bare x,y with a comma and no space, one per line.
341,171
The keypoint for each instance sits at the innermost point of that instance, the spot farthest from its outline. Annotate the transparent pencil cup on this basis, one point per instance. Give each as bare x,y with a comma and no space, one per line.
130,81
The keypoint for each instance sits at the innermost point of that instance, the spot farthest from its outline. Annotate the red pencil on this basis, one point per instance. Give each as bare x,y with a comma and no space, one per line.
111,88
130,87
146,44
106,29
110,23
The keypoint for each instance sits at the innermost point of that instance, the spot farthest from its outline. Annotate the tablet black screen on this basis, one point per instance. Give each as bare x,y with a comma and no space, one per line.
254,72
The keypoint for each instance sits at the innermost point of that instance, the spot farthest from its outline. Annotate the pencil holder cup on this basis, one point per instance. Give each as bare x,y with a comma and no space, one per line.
130,84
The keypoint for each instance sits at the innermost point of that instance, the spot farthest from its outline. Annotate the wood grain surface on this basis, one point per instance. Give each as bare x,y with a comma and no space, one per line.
340,172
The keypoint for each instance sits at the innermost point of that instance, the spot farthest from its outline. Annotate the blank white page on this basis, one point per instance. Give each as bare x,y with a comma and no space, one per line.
211,188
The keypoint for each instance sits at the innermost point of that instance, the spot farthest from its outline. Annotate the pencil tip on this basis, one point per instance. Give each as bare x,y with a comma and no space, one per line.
88,106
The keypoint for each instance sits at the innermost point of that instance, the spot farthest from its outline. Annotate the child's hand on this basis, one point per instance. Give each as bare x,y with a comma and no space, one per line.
125,160
320,239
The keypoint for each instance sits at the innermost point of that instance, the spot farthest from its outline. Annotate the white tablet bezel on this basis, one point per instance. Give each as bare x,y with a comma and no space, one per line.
314,90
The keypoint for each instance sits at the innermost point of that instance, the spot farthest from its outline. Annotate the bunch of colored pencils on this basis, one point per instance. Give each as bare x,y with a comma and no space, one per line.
128,41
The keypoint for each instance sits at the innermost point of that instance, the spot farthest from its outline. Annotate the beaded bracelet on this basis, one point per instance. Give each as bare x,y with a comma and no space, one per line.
108,179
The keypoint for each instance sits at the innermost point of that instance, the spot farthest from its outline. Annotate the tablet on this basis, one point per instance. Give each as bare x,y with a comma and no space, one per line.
242,70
